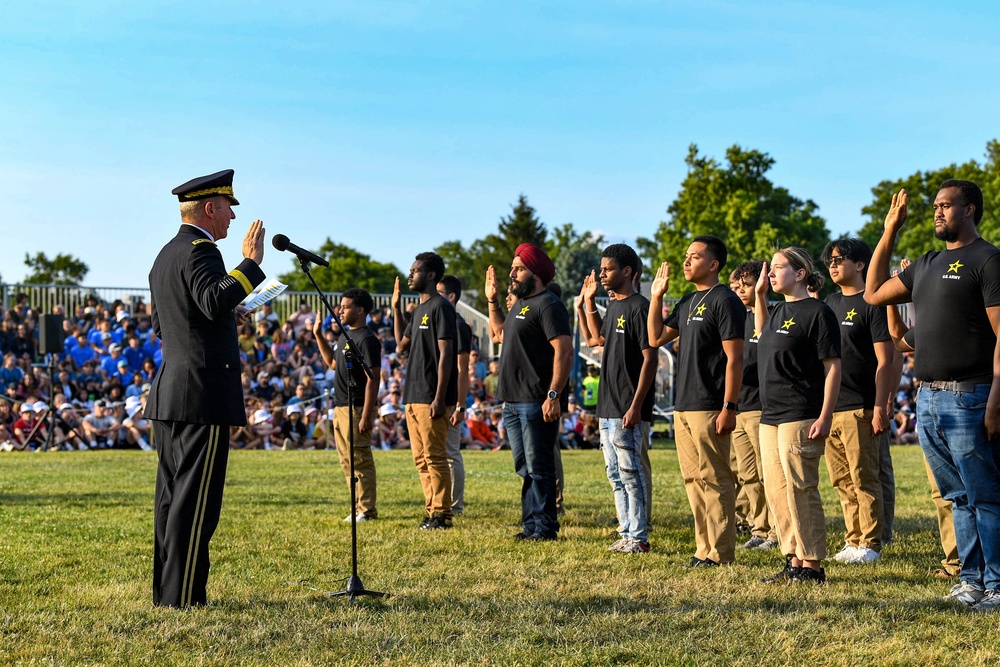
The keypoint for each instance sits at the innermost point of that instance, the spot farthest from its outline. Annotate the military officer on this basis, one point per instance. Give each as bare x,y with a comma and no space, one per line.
196,396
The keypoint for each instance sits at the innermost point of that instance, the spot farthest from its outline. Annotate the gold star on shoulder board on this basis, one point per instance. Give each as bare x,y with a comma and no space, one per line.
788,323
524,311
423,320
850,315
953,268
621,322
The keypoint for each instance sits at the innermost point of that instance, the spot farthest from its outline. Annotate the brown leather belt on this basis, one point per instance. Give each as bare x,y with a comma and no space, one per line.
950,385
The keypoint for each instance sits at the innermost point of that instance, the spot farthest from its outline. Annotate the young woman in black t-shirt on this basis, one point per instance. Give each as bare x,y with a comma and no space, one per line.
799,372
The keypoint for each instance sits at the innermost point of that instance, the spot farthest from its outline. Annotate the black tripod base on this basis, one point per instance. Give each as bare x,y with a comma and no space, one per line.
354,589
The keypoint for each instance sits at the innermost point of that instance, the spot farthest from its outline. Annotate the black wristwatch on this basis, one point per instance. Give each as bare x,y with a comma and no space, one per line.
729,405
459,408
553,394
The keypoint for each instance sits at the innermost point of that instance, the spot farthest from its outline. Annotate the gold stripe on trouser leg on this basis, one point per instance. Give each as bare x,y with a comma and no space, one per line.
199,517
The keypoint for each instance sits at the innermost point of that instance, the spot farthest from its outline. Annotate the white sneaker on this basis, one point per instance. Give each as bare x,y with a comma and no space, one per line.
6,447
83,446
990,601
966,593
863,555
845,554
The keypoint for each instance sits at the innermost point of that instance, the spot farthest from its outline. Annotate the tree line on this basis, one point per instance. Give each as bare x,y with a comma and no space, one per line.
733,199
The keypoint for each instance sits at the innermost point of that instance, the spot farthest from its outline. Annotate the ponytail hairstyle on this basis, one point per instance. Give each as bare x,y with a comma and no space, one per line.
800,260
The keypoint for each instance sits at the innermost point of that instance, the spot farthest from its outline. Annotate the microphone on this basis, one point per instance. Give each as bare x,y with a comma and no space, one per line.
281,242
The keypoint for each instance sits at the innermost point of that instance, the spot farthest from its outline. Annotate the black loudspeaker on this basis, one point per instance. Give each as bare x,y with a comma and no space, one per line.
50,334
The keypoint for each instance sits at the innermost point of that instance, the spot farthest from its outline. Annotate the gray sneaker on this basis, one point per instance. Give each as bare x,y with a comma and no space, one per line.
752,543
990,601
767,545
966,593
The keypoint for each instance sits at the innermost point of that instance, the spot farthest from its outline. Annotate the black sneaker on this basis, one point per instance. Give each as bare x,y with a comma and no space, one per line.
784,576
694,562
437,522
541,537
423,524
521,536
807,575
707,562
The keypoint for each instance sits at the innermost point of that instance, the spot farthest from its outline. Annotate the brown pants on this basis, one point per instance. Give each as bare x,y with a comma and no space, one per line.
364,463
708,480
852,459
791,481
428,442
946,527
746,451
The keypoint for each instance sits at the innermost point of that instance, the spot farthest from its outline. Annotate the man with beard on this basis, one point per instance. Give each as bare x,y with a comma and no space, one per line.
431,388
625,402
534,369
710,323
958,404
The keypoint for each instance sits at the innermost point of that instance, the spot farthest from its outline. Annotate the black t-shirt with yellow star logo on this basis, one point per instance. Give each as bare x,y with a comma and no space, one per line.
526,361
951,290
625,338
750,391
861,326
432,321
705,319
798,336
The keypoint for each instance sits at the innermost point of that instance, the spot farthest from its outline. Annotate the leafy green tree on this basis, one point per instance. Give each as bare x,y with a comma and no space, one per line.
348,268
917,235
470,264
63,269
740,205
575,255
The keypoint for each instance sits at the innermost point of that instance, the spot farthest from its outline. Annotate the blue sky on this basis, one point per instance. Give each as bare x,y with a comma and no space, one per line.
395,126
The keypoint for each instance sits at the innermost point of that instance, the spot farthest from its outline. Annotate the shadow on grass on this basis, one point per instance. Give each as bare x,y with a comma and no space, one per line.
109,498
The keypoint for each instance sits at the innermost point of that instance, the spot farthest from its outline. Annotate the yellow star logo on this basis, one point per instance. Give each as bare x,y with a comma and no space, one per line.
423,320
953,268
756,334
701,309
788,324
524,311
850,315
621,322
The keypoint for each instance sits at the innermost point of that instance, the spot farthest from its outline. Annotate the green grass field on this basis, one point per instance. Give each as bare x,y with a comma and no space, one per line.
75,567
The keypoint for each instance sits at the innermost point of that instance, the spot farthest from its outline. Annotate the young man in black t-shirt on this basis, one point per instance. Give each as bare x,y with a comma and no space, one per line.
625,399
361,409
534,370
956,298
859,418
431,389
450,288
710,323
746,435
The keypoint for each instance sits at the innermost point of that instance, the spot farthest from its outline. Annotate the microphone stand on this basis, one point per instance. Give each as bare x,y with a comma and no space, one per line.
354,586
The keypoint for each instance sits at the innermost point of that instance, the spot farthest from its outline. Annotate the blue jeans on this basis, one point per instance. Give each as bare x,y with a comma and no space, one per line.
966,466
533,442
623,459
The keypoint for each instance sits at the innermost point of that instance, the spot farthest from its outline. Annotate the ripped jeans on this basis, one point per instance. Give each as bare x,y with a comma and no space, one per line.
622,449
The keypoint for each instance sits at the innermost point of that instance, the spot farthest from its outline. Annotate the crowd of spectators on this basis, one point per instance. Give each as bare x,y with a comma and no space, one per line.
92,394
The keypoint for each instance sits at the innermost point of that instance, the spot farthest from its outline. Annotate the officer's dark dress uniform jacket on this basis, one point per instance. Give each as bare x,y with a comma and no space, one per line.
196,395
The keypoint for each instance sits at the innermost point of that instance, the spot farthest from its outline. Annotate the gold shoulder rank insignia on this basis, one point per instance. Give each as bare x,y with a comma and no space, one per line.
197,241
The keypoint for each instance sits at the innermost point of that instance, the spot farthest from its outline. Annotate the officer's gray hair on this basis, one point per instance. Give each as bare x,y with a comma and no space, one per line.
192,211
